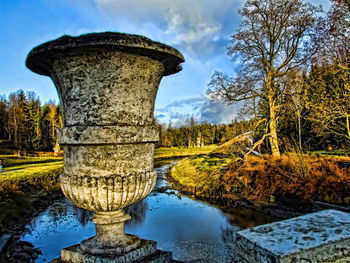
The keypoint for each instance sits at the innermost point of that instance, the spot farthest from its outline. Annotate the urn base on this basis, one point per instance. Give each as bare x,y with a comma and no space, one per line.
110,235
146,252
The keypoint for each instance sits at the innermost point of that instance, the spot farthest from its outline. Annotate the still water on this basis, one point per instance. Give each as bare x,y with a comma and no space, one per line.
193,230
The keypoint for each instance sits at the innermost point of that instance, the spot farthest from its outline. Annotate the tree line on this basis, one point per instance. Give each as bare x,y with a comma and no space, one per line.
26,124
294,78
194,134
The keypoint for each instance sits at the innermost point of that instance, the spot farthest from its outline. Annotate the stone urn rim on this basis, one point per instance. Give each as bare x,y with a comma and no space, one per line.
40,58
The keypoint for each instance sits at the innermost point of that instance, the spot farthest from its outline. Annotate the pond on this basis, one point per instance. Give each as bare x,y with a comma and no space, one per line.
193,230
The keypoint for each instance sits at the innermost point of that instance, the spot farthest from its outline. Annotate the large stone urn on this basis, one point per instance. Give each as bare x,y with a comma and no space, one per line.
107,85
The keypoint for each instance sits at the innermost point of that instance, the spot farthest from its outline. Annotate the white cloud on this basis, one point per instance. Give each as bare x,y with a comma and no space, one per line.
201,108
194,26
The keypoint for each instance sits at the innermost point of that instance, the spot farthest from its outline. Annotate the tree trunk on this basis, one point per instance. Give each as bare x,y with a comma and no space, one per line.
15,136
348,125
273,130
299,130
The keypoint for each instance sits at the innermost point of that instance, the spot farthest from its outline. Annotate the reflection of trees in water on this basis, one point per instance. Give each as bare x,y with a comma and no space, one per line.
245,218
137,212
55,212
82,215
62,209
58,210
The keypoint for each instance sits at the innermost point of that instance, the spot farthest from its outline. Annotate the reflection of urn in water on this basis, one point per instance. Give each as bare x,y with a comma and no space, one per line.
107,84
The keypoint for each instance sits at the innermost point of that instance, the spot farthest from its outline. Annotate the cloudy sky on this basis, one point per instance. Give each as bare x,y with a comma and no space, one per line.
199,29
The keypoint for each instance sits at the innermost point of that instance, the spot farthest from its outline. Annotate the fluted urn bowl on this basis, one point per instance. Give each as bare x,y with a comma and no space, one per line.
107,85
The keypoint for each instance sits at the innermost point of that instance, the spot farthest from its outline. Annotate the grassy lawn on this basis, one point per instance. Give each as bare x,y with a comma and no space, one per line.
27,172
16,161
333,153
199,173
180,152
11,162
31,165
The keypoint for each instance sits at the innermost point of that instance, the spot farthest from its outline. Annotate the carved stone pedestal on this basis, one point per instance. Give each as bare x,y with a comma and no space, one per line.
107,84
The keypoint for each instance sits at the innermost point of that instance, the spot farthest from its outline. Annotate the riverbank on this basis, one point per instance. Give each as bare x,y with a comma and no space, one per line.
26,189
282,187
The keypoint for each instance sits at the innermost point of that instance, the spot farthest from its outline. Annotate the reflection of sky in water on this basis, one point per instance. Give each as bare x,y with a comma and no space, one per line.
183,226
51,230
170,219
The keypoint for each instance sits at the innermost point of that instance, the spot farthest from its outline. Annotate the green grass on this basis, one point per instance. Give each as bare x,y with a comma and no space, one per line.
30,171
11,162
200,172
333,153
26,166
181,152
15,161
20,171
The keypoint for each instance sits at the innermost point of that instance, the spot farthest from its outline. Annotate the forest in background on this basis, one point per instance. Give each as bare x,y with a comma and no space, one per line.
26,124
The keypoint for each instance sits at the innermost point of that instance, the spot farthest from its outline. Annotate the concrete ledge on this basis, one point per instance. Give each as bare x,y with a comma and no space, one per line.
319,237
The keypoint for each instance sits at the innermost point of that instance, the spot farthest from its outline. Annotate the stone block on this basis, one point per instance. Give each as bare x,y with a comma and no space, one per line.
318,237
146,252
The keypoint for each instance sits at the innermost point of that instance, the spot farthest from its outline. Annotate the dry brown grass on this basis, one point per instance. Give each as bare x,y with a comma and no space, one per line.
299,176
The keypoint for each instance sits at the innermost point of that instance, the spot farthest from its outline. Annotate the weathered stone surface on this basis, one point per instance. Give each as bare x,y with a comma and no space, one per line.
41,56
107,88
107,85
75,255
109,193
318,237
108,160
91,135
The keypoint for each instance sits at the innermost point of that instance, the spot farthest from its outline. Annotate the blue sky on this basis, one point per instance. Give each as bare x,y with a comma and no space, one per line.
199,29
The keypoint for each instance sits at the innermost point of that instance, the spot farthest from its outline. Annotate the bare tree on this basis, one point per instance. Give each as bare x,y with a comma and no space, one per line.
332,112
333,36
272,38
